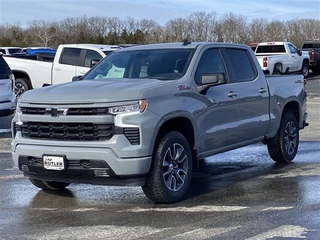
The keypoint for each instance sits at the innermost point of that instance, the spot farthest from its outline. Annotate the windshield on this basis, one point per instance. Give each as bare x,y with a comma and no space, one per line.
163,64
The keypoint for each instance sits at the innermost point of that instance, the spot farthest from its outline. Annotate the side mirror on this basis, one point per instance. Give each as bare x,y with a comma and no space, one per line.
299,51
94,62
211,79
77,78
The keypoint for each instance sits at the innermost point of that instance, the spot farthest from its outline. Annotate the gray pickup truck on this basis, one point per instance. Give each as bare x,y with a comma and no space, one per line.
145,116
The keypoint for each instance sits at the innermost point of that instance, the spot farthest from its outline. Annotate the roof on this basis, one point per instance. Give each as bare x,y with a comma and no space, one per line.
102,47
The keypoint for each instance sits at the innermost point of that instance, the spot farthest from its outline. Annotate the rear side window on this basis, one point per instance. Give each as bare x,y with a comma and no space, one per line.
70,56
4,69
242,66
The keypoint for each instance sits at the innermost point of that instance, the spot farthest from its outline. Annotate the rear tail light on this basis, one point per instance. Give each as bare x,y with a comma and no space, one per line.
313,54
11,76
265,64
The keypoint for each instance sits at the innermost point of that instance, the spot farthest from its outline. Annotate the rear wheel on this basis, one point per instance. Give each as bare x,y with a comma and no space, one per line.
305,70
277,69
45,185
171,169
287,141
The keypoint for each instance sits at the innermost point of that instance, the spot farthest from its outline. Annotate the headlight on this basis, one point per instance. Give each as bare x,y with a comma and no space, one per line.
18,112
140,106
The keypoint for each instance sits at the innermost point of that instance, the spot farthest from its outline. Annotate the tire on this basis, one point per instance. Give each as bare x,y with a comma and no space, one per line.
305,70
45,185
277,70
315,70
287,142
171,170
21,85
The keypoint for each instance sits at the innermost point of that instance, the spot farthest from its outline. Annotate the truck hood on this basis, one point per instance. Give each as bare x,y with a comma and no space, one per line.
91,91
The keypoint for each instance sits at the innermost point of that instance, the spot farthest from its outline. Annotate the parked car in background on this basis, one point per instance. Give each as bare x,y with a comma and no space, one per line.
69,60
282,57
313,48
7,96
9,50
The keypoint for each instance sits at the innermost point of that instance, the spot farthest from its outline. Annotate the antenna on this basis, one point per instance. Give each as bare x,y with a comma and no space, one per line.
185,42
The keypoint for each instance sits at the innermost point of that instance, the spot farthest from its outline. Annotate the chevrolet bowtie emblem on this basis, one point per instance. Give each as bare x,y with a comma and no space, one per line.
55,111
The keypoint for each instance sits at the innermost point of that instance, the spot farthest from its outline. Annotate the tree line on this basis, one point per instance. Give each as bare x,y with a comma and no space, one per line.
199,26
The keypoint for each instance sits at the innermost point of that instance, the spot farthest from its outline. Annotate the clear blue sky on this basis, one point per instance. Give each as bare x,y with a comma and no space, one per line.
23,12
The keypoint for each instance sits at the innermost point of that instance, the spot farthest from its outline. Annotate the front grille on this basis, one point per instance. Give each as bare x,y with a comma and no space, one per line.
67,131
69,112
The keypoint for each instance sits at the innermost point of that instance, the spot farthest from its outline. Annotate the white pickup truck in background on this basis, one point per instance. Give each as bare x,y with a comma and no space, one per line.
69,60
282,57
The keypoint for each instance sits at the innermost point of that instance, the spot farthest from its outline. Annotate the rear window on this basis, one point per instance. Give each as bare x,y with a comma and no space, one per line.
271,49
311,45
4,68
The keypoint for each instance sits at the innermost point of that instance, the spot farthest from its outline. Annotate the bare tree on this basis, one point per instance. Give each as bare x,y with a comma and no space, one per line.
234,28
43,31
256,29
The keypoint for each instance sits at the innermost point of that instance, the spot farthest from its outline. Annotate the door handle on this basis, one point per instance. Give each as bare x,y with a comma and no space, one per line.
262,90
232,94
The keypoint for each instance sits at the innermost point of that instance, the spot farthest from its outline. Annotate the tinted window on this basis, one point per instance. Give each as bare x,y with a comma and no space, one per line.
242,66
4,68
70,56
210,62
271,49
311,45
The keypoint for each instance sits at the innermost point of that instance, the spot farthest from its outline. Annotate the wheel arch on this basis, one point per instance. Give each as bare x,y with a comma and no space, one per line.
292,107
21,74
180,124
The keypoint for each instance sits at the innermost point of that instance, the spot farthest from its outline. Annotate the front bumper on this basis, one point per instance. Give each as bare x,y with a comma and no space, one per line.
83,165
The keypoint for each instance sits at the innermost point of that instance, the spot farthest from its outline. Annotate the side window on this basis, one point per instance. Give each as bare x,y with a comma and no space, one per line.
70,56
91,55
210,62
3,51
241,64
292,49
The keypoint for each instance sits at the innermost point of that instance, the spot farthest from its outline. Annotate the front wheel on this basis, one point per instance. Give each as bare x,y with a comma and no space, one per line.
171,169
287,141
45,185
305,70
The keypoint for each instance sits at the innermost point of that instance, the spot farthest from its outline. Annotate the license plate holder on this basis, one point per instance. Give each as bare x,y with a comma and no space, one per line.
54,162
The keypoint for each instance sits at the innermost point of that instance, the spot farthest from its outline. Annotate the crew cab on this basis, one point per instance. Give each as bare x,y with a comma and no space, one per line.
313,48
146,115
69,60
282,57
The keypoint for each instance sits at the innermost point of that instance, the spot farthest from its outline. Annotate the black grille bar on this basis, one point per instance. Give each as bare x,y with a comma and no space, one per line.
67,131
